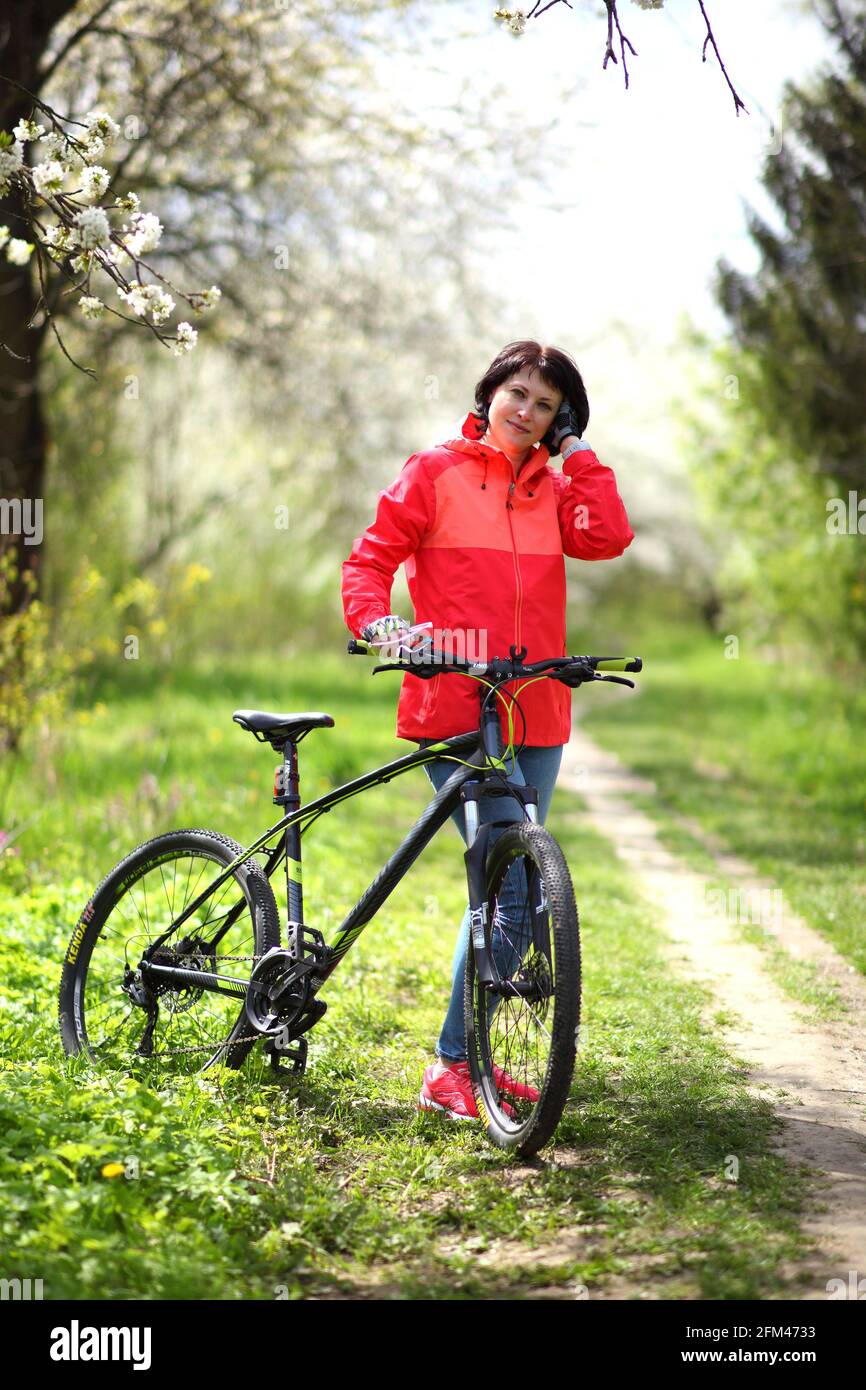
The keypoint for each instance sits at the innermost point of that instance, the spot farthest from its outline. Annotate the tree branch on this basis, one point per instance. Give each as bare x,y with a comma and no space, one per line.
539,9
710,39
613,18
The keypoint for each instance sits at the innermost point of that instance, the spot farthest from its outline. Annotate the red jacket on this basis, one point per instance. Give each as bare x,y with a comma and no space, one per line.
484,559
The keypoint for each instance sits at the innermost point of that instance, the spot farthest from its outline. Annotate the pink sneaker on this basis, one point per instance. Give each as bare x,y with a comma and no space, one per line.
506,1083
452,1093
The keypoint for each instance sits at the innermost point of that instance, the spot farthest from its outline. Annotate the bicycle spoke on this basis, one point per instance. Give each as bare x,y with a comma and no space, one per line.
121,1002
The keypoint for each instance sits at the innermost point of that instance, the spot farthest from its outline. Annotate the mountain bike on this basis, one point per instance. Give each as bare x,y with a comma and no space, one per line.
177,956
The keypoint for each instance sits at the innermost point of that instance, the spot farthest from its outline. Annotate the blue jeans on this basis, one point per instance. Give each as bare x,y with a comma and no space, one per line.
539,768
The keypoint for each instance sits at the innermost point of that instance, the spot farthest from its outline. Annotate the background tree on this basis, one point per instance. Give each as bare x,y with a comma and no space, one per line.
259,133
793,423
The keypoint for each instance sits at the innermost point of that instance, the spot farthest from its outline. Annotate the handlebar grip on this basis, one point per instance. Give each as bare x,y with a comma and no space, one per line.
618,663
357,648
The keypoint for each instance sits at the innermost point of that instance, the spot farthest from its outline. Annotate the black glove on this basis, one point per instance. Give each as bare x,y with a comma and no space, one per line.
566,422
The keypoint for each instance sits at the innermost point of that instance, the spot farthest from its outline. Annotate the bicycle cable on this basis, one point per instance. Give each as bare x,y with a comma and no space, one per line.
497,765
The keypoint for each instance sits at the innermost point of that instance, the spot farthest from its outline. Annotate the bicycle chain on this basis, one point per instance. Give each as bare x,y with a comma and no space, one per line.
207,1047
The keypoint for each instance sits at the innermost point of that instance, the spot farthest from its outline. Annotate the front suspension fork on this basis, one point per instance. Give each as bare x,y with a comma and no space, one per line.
475,857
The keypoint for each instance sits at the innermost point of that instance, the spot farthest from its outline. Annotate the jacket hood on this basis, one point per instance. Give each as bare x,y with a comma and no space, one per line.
467,440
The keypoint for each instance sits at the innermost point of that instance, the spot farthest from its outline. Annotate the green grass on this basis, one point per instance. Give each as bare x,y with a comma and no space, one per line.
662,1181
769,758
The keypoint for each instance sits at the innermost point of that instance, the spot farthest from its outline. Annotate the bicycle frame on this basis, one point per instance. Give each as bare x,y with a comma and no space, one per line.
431,820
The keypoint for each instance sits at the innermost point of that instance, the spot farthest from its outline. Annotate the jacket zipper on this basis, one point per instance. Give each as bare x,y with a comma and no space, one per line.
512,485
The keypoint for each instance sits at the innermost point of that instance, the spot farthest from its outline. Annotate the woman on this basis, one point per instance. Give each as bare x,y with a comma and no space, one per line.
482,523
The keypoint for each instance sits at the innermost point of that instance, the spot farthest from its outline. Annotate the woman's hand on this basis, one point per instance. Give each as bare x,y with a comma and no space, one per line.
394,636
565,426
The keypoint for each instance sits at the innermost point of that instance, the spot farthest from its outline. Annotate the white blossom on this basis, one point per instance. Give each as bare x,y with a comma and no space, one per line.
54,145
18,251
161,304
73,158
143,299
134,297
186,339
649,4
145,235
48,178
91,307
94,181
92,227
57,241
115,255
28,130
11,159
86,239
515,20
99,123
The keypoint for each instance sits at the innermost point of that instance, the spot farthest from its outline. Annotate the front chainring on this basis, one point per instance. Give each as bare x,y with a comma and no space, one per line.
275,972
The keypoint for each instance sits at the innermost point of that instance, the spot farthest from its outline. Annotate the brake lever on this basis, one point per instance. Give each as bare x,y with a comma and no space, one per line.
416,670
620,680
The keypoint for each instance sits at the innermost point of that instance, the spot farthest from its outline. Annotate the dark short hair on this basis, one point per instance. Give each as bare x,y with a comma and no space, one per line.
554,366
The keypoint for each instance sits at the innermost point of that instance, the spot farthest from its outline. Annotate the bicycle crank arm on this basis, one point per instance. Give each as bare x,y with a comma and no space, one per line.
278,992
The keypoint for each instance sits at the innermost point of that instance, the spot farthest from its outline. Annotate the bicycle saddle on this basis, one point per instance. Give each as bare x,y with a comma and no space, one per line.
279,728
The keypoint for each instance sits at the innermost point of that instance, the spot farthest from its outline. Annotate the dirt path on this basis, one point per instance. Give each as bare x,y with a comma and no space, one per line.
816,1071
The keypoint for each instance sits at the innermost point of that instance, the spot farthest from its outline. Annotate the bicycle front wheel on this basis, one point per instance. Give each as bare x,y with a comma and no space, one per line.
522,1037
193,1026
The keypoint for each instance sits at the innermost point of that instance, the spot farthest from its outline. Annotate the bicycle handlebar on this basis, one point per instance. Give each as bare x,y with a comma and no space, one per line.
571,670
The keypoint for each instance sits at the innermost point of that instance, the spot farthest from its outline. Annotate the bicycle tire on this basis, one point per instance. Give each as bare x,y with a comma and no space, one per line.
80,984
531,1123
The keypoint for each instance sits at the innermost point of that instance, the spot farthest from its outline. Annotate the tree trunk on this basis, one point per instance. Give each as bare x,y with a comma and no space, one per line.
23,40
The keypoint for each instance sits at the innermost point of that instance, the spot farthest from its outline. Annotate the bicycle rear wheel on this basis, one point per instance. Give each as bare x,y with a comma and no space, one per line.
521,1039
136,903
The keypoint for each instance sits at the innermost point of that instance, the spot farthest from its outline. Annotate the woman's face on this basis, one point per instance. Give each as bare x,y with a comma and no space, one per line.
521,411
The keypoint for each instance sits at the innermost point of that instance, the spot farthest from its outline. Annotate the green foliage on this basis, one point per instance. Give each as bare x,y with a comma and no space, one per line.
35,674
49,662
795,435
782,576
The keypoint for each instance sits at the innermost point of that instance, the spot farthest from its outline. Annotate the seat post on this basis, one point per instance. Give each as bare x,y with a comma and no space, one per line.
287,794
